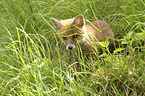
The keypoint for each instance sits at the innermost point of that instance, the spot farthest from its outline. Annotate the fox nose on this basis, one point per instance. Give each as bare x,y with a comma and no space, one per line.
70,47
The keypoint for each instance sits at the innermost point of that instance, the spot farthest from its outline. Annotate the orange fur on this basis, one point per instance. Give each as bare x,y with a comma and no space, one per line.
75,32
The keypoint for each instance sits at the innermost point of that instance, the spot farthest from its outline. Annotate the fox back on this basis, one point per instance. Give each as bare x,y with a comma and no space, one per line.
75,32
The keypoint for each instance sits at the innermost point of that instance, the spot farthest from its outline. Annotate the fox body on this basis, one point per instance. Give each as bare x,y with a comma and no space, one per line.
75,32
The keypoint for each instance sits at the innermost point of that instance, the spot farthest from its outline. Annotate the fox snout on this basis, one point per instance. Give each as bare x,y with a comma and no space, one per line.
70,47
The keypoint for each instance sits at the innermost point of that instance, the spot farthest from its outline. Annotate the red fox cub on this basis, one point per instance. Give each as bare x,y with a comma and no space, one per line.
74,32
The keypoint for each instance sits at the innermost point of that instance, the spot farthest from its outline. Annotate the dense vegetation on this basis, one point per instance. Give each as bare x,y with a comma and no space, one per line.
34,61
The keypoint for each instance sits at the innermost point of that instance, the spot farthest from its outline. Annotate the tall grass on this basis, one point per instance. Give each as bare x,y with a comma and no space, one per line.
34,61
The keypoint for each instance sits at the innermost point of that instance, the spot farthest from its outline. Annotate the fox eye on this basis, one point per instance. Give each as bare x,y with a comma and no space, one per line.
75,36
64,38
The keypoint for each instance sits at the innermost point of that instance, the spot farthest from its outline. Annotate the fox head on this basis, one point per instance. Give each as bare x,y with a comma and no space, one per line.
70,30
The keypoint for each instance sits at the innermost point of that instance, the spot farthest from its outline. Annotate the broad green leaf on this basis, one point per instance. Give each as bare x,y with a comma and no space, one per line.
117,50
104,43
123,7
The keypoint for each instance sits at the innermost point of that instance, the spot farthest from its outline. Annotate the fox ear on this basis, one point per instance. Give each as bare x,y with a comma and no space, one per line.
79,21
57,23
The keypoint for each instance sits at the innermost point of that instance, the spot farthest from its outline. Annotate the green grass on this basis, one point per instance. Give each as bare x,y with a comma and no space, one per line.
35,62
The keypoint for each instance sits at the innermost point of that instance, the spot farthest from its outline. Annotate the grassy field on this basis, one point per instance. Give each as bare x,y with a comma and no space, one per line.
34,61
